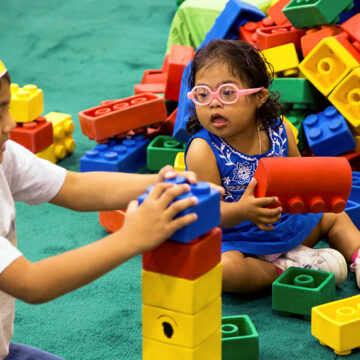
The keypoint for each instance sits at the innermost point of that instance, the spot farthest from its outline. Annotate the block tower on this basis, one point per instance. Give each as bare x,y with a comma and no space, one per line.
181,287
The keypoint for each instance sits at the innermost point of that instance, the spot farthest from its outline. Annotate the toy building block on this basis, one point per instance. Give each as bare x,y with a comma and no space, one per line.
305,13
207,210
123,155
296,91
353,204
303,185
353,157
296,117
276,12
180,329
337,324
283,58
350,13
352,47
328,133
181,295
36,136
162,151
327,64
179,162
48,154
235,14
297,290
105,121
272,36
352,27
185,260
63,128
346,98
314,36
240,340
26,103
248,32
112,220
210,348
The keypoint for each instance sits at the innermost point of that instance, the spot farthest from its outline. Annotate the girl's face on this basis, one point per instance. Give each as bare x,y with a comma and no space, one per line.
6,121
227,121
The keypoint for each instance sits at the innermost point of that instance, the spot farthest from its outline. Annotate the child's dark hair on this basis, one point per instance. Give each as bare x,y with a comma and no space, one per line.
249,65
6,76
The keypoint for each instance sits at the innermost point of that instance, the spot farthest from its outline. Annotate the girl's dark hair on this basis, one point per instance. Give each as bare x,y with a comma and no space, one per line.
246,63
6,76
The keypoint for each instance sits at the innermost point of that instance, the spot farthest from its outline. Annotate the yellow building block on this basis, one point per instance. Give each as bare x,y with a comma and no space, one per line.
26,103
346,98
179,163
337,324
63,128
293,128
178,294
327,64
48,154
181,329
209,349
283,58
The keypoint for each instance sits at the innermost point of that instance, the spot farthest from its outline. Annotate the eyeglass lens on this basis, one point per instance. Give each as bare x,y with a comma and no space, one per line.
226,93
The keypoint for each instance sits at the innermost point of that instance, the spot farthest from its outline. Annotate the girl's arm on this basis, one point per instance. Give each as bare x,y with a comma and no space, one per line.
293,149
145,227
201,160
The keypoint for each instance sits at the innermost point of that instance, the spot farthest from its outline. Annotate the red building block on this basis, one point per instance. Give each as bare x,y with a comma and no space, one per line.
185,260
275,12
166,128
248,33
314,36
35,136
352,47
112,220
303,185
273,36
352,27
118,117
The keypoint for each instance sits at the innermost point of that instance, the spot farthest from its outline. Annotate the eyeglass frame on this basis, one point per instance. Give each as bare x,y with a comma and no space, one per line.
215,94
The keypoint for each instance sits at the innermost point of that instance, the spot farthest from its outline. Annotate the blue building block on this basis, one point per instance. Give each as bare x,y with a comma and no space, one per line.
124,155
327,133
348,14
235,14
207,210
353,203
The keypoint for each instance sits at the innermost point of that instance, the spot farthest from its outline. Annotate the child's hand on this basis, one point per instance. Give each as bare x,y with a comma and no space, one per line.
255,209
168,172
153,221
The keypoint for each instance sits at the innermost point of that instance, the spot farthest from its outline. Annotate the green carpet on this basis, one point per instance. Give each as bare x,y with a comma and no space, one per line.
81,52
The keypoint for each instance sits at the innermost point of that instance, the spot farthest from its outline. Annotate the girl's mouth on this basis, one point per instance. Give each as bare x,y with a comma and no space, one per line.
218,121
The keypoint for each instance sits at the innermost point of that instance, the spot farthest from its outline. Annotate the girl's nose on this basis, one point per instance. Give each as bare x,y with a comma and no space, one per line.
215,103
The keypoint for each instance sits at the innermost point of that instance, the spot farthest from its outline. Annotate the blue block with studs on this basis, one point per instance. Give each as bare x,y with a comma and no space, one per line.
328,133
119,155
207,209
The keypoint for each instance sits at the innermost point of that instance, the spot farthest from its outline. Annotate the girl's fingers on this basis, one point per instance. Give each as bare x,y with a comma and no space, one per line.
180,205
265,201
182,221
133,205
158,190
172,193
266,212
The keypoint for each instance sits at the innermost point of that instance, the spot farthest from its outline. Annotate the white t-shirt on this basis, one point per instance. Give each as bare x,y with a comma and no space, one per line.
23,177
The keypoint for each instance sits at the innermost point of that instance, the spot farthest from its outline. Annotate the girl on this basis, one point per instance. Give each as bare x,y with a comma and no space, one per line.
236,124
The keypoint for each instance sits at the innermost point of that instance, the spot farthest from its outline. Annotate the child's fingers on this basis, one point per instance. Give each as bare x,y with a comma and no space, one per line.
158,190
250,190
265,227
265,201
182,221
172,193
266,212
180,205
133,205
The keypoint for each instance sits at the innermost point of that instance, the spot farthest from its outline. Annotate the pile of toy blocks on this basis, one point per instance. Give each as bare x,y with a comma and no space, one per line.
49,136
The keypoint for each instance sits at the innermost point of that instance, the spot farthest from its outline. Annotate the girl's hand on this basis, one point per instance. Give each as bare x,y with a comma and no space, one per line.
153,221
168,172
255,209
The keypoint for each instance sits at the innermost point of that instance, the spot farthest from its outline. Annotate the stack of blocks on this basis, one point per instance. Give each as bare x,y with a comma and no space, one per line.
181,286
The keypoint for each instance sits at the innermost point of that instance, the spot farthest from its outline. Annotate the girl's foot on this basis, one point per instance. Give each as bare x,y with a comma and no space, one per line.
318,259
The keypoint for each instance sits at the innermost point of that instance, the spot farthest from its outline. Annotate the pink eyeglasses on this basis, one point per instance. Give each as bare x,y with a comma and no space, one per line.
227,94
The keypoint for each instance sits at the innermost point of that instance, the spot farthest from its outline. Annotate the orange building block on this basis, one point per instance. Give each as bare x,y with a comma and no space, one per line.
352,27
352,47
112,220
314,184
248,33
185,260
35,136
275,12
118,117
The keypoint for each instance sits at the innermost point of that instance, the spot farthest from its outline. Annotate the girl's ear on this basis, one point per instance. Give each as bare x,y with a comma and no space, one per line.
262,96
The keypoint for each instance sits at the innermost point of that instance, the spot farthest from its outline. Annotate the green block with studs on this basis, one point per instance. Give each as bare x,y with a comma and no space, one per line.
297,290
162,151
240,340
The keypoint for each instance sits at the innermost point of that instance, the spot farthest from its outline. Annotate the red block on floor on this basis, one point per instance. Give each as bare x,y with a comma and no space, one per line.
35,136
112,220
304,185
118,117
185,260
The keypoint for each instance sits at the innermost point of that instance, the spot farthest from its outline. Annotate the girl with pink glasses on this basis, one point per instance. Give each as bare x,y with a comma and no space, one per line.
236,121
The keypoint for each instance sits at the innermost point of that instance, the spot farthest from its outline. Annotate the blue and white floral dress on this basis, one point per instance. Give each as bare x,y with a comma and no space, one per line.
236,171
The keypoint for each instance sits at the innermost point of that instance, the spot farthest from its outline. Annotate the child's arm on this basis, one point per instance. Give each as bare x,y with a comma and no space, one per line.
201,160
145,227
293,149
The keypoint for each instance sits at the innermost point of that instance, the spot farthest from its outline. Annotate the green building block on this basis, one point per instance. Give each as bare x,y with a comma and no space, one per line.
297,290
240,340
162,151
304,13
296,91
296,117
